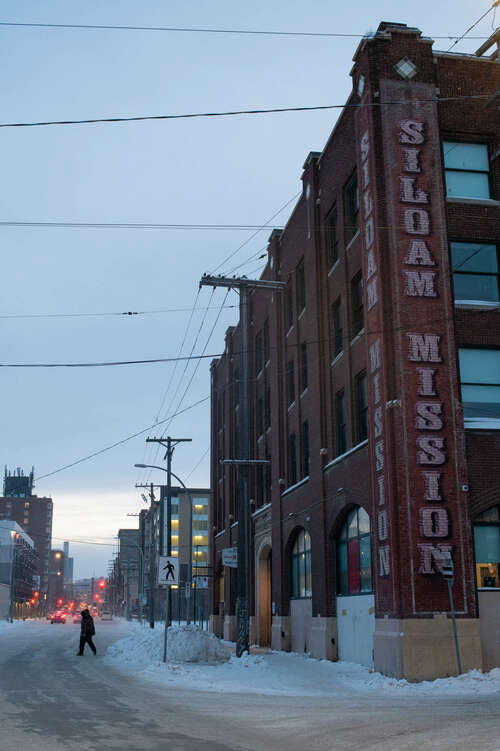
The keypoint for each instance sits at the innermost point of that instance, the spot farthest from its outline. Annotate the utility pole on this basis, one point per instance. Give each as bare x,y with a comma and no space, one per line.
243,285
151,560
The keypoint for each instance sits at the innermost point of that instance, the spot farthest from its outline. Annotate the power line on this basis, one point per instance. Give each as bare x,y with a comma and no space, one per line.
229,113
102,315
194,30
495,5
203,356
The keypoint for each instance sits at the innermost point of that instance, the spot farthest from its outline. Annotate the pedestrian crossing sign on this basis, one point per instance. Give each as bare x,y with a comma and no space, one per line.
168,571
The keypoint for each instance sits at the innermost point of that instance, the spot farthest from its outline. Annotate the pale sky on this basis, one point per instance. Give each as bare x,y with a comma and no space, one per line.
235,170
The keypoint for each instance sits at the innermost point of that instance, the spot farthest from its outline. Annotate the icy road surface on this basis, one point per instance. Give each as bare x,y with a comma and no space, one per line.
51,699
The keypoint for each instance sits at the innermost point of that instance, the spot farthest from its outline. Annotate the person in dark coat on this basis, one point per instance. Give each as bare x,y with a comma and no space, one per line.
87,632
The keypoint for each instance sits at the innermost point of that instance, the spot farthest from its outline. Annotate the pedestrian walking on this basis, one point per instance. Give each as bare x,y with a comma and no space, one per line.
87,632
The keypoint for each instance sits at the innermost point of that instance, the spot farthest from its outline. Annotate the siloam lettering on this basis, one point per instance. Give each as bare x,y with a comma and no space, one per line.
372,299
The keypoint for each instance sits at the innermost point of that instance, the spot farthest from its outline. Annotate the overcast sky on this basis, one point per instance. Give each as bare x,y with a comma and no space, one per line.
234,170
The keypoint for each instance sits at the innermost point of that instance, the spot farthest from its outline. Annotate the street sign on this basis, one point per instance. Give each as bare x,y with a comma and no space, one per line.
447,569
168,570
230,557
201,582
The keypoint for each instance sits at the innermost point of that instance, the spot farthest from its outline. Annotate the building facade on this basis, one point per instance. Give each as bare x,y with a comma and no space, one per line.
19,580
33,514
375,380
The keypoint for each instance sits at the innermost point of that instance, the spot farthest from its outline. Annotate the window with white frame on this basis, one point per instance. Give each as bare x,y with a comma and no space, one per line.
475,271
480,382
466,169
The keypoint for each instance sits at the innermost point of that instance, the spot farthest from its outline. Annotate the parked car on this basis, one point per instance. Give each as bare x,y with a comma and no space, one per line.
58,617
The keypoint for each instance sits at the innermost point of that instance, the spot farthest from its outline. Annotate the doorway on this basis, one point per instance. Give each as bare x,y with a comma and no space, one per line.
264,589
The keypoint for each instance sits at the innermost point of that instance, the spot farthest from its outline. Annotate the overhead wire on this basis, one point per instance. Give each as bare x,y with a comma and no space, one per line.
198,30
156,447
495,5
232,113
128,313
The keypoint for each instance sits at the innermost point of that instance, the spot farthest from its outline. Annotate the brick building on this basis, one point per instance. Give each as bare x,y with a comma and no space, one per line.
375,379
33,514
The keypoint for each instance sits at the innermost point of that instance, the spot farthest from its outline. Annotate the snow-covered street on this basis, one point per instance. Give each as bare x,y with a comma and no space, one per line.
126,698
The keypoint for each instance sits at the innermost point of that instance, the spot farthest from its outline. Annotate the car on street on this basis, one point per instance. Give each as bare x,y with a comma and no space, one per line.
77,618
58,617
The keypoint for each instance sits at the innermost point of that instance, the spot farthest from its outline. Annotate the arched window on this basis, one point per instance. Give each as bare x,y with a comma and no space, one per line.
354,568
301,566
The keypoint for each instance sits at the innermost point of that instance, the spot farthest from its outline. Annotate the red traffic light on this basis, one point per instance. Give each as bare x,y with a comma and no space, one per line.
32,600
35,594
60,601
102,584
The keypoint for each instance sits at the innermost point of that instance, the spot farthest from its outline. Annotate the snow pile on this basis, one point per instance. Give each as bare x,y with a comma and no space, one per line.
184,644
198,660
191,644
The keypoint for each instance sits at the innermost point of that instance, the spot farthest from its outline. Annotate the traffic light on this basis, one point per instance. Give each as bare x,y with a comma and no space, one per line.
35,594
60,601
102,584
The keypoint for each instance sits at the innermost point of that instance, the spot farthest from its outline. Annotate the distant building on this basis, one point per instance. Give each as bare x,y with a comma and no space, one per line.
190,518
18,569
56,578
33,514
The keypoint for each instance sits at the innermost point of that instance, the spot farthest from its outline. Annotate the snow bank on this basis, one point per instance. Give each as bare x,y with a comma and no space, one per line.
198,660
184,644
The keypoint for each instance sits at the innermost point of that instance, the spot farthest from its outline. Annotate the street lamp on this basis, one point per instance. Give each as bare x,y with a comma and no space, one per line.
190,560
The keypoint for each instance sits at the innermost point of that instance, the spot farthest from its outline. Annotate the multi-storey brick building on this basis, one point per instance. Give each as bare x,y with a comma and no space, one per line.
33,514
375,379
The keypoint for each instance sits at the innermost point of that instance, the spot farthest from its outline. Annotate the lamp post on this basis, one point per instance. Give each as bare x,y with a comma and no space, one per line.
169,525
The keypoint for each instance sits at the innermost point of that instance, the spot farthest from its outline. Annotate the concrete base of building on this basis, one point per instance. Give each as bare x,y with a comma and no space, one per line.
324,643
489,619
281,638
229,627
215,625
423,649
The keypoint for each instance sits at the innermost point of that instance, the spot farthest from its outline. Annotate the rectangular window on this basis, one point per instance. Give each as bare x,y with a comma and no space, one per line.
351,208
361,408
300,280
292,459
357,304
305,455
267,480
267,408
340,424
337,331
260,416
466,169
332,243
259,352
480,381
290,371
267,348
289,306
237,386
303,367
475,271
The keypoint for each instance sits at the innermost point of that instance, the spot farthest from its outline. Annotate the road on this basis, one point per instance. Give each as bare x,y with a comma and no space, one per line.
50,699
